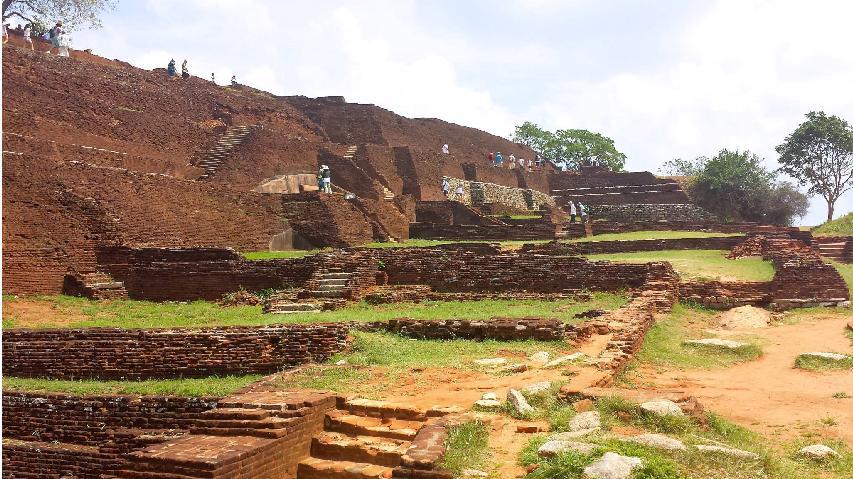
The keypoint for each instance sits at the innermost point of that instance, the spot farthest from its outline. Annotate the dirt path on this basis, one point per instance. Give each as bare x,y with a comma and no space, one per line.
769,395
25,313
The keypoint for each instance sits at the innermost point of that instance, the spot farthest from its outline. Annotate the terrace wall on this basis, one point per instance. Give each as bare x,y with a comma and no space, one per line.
504,329
164,274
652,212
111,353
605,247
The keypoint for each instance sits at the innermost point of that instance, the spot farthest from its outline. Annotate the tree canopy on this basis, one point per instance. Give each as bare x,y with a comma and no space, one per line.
574,147
73,13
736,187
819,154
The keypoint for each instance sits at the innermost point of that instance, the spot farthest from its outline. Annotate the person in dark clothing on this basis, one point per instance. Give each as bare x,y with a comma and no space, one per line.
171,70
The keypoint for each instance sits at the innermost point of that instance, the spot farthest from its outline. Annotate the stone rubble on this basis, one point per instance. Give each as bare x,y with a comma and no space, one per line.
662,407
585,420
817,451
728,451
518,402
612,466
553,447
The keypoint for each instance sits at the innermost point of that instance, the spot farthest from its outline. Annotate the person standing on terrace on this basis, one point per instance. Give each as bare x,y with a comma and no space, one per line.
28,33
573,211
185,72
445,149
491,158
445,186
171,70
499,160
583,212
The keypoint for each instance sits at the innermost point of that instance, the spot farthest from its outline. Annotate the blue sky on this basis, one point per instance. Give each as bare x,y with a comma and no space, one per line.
664,79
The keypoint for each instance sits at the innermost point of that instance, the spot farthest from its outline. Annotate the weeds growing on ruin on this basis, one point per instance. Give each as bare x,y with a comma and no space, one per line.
467,447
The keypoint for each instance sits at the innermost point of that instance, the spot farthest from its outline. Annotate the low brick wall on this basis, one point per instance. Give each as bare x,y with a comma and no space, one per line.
503,329
535,231
605,227
111,353
172,274
684,212
605,247
726,295
43,459
456,270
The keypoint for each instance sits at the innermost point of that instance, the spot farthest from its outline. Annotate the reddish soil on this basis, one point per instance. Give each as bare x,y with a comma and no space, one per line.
33,313
769,395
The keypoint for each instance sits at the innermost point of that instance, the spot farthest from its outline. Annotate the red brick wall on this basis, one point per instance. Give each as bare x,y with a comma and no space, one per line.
112,353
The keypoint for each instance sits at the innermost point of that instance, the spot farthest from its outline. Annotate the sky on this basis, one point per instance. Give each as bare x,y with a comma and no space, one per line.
663,79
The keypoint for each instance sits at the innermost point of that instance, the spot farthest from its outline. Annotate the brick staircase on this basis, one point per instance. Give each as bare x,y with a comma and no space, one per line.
333,284
362,439
836,248
95,286
233,137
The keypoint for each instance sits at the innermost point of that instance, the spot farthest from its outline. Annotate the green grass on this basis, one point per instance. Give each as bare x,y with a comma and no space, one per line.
838,226
198,387
467,447
664,346
146,314
645,235
390,358
700,265
846,272
814,363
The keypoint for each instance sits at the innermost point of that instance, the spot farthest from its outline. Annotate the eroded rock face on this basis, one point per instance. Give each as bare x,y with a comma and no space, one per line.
662,407
553,447
585,420
818,451
613,466
658,441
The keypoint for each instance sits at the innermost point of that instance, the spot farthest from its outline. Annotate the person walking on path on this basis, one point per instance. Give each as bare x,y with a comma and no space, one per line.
499,160
445,149
511,161
170,69
445,186
460,192
583,212
573,211
185,72
491,158
28,33
54,34
327,179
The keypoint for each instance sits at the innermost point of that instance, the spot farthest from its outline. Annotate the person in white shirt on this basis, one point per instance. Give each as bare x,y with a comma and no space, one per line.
573,211
521,164
511,161
445,149
582,209
28,32
460,192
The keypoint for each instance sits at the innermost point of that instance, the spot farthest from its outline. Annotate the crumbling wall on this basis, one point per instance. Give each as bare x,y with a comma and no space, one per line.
621,246
652,212
112,353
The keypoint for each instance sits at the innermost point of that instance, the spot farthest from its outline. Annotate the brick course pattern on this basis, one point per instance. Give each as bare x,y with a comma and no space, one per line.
478,193
685,212
605,247
108,353
503,329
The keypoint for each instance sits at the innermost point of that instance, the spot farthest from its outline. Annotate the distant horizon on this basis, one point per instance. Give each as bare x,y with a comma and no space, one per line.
663,80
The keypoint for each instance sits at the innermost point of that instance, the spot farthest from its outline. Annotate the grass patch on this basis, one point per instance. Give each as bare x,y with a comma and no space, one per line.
664,346
197,387
55,311
700,265
816,363
326,378
467,447
645,235
846,272
839,226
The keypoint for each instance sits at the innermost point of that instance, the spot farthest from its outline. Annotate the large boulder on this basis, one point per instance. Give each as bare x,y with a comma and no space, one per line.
518,402
662,407
817,451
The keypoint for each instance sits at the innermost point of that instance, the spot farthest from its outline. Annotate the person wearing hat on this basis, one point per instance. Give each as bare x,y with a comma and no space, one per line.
445,186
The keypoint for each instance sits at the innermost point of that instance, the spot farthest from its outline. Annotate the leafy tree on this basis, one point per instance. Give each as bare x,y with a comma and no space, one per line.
73,13
679,167
575,147
736,187
819,153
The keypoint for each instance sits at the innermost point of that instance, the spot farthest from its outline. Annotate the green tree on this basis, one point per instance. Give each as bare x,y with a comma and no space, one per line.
819,154
575,147
736,187
680,167
73,13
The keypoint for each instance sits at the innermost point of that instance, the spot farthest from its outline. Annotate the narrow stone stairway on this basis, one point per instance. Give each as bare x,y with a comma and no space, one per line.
233,137
388,194
333,284
834,250
350,154
362,439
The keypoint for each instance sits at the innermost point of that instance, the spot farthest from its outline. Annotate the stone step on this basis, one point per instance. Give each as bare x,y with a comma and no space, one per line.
333,281
336,275
328,294
366,449
331,287
314,468
340,421
284,308
231,413
382,409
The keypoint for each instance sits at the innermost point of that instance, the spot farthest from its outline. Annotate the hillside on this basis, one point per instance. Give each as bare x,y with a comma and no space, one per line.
838,226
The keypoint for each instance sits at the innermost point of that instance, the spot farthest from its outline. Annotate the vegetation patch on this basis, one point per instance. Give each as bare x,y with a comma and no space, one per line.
842,226
215,386
467,447
664,343
818,363
55,311
700,265
650,235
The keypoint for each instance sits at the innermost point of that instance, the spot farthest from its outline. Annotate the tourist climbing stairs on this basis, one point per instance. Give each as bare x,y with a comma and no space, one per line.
362,439
233,137
333,284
